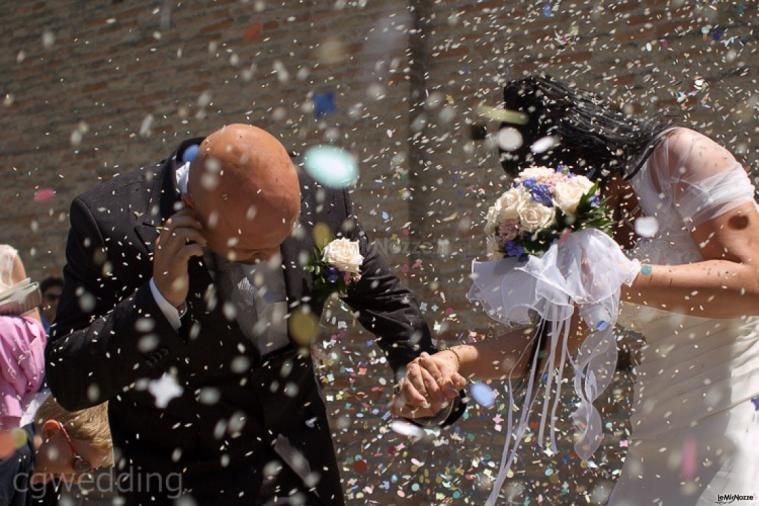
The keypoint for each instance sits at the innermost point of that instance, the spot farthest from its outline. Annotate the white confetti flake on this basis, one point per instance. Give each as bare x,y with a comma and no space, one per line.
146,128
164,389
48,39
482,394
544,144
646,226
509,139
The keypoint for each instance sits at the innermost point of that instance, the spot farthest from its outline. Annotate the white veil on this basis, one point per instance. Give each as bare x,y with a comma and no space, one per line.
585,271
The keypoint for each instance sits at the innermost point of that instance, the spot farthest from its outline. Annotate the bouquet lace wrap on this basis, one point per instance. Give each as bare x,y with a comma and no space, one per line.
584,272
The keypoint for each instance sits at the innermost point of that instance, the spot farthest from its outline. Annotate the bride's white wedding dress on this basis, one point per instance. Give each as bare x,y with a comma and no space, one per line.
695,425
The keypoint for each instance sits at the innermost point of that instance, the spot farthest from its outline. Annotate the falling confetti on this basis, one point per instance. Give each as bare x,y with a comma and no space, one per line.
509,139
561,39
324,104
505,115
360,466
44,194
331,51
544,144
164,390
482,394
20,437
253,32
304,327
331,166
146,128
646,226
688,459
48,39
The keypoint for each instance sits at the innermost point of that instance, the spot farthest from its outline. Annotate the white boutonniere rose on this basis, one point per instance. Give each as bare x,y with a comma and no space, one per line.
344,255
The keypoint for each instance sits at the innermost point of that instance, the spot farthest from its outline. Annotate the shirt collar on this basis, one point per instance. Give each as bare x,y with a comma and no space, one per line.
182,174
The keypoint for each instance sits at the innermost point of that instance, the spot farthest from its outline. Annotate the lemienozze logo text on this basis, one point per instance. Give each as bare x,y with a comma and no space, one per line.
731,498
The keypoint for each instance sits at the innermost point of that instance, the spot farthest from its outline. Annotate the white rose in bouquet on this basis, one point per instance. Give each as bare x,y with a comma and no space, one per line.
534,216
505,208
536,173
567,194
344,255
509,204
491,218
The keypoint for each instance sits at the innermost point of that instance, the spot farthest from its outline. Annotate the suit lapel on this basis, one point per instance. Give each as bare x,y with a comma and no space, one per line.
163,196
298,282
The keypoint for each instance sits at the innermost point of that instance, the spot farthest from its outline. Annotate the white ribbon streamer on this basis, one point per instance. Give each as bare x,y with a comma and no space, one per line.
586,272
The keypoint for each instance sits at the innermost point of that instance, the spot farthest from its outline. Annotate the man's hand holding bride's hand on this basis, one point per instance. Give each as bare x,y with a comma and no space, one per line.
431,382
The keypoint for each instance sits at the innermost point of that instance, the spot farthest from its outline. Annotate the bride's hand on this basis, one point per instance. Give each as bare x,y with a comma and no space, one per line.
443,367
431,381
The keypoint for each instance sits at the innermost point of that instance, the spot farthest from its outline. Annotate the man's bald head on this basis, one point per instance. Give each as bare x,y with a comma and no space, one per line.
245,189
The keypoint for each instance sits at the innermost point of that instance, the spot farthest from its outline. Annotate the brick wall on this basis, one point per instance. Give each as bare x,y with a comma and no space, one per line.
92,89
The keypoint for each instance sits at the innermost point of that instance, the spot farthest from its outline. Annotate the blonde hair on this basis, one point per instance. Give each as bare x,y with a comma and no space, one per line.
90,425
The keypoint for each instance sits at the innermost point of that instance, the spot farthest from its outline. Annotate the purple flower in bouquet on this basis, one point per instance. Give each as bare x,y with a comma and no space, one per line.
595,201
540,192
514,248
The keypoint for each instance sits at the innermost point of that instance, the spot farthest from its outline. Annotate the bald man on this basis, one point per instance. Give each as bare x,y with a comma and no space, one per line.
179,283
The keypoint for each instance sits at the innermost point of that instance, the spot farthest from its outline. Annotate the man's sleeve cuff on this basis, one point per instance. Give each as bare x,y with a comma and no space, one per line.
169,311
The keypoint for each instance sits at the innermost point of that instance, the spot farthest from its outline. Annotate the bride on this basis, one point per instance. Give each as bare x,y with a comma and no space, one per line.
695,423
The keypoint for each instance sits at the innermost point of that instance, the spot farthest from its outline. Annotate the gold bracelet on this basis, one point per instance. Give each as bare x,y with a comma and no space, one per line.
455,354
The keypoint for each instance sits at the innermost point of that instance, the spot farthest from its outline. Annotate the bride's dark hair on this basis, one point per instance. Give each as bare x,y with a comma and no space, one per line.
593,136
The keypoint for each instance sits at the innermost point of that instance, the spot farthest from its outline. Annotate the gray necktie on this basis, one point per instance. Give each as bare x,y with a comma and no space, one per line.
255,299
239,295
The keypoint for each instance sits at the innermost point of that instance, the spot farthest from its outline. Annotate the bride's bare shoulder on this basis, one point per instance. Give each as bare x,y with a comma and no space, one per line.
682,137
690,150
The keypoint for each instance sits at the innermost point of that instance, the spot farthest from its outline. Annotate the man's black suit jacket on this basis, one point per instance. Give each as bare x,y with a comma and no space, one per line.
110,338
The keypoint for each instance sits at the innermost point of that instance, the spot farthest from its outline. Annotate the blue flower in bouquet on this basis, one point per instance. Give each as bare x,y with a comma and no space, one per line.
514,249
332,275
540,192
595,201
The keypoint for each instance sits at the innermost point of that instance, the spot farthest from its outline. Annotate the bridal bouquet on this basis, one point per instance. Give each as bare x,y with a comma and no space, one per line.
550,257
541,206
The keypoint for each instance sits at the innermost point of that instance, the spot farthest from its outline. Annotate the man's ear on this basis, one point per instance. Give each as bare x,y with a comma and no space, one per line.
50,428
